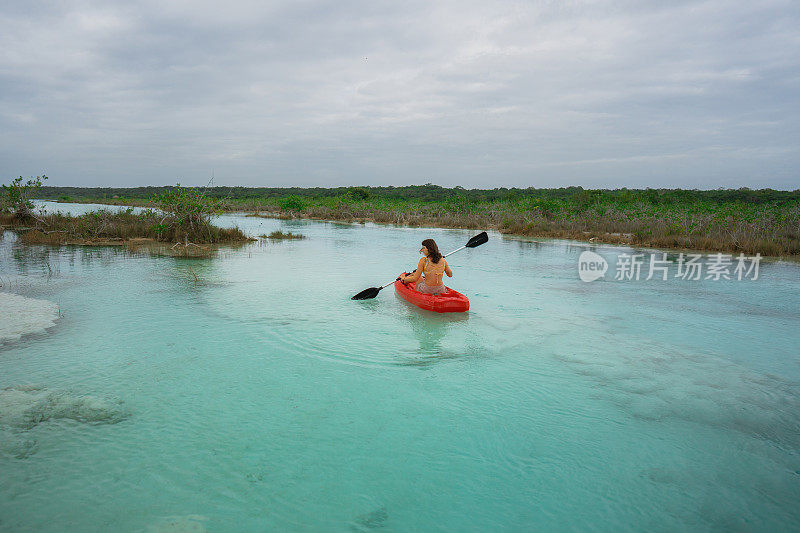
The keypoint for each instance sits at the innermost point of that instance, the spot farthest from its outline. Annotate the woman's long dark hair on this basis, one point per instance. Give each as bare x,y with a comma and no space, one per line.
433,251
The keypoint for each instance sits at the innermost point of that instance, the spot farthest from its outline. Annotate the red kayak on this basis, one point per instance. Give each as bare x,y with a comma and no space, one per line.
447,302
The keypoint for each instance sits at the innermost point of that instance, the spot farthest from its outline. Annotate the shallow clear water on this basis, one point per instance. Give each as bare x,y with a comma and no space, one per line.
261,397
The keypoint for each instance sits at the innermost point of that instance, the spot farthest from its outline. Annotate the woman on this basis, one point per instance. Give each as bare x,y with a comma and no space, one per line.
433,265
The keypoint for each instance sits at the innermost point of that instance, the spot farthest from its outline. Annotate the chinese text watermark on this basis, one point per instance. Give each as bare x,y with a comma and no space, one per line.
691,267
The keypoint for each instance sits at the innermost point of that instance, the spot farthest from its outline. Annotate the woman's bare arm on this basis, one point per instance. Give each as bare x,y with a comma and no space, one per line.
414,276
447,270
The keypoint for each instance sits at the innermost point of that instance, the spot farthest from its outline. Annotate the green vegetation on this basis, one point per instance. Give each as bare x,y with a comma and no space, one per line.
17,196
187,214
762,221
291,204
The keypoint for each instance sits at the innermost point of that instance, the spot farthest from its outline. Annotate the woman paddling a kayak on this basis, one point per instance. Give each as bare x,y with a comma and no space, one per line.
432,266
448,300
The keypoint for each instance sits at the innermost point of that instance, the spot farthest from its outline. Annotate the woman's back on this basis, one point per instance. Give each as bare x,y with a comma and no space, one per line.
433,271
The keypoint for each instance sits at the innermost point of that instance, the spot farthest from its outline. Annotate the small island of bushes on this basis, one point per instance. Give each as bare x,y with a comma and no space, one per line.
179,215
280,236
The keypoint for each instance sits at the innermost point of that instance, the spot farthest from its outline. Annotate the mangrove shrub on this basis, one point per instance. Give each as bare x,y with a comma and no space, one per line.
17,196
187,214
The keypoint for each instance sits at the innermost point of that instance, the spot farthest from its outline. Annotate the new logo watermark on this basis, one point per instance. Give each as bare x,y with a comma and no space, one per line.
591,266
691,267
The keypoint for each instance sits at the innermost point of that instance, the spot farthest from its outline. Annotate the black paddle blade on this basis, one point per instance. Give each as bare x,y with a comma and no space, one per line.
477,240
367,294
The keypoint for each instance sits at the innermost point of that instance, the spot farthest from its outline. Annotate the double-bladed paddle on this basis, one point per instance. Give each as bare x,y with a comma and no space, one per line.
372,292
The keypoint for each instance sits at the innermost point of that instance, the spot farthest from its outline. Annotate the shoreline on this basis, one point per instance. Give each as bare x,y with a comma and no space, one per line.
615,240
586,237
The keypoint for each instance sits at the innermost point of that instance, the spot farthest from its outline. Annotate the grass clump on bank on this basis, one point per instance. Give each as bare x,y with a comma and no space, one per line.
279,235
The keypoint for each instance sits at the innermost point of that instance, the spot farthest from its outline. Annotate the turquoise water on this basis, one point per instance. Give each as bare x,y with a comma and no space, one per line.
260,397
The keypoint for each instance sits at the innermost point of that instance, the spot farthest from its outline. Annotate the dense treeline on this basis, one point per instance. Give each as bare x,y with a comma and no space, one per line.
433,193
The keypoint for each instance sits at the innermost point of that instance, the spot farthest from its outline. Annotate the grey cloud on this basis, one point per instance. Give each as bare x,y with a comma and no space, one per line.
689,94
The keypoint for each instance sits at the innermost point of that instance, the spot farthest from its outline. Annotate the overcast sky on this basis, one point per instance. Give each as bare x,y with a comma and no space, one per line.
478,94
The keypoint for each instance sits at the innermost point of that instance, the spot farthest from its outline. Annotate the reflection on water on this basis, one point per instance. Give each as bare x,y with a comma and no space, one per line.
248,392
430,329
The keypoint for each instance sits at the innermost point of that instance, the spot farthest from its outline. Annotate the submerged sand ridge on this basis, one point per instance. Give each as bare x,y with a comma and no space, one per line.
23,407
20,316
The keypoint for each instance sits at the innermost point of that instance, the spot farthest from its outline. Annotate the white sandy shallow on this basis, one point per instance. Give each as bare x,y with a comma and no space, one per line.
20,316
